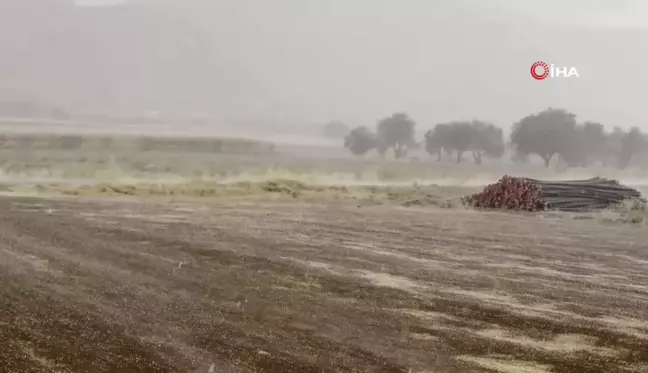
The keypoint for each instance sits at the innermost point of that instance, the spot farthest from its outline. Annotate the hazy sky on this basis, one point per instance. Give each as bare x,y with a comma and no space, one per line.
305,61
439,60
595,13
99,2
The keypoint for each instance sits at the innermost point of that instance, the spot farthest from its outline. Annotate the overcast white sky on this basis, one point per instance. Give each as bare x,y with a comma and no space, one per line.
99,2
595,13
439,60
305,61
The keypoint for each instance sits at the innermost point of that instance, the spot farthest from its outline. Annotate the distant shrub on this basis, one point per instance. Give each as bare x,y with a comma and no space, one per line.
24,141
217,146
146,144
69,142
106,143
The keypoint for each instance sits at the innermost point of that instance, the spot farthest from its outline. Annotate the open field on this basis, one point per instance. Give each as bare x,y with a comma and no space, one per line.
319,165
86,158
144,143
124,285
181,259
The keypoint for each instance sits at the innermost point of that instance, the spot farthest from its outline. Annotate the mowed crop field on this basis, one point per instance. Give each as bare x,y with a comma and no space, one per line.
137,285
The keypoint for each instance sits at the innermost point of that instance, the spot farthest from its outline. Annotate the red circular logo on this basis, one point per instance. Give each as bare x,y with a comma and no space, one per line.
544,70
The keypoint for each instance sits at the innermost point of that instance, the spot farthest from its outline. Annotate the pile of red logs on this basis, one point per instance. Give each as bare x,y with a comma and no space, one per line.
509,193
522,194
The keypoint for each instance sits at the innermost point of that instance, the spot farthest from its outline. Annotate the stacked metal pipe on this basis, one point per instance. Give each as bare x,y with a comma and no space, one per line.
523,194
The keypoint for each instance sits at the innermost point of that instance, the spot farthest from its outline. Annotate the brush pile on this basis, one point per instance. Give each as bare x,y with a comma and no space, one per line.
522,194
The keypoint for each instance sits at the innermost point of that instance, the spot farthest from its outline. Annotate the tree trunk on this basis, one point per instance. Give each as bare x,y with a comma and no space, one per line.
624,161
400,151
547,159
477,155
382,151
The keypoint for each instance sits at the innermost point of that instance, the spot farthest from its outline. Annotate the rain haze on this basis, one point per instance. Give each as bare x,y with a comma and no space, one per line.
301,62
323,186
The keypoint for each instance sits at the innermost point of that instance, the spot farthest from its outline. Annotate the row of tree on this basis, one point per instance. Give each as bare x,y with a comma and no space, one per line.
396,132
550,134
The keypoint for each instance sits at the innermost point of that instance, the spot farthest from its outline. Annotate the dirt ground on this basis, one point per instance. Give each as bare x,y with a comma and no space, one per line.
124,285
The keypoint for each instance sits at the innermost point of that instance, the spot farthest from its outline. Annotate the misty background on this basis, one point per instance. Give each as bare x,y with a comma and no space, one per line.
299,63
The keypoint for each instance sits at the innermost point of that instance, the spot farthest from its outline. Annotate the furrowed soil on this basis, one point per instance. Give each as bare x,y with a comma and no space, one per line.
125,285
